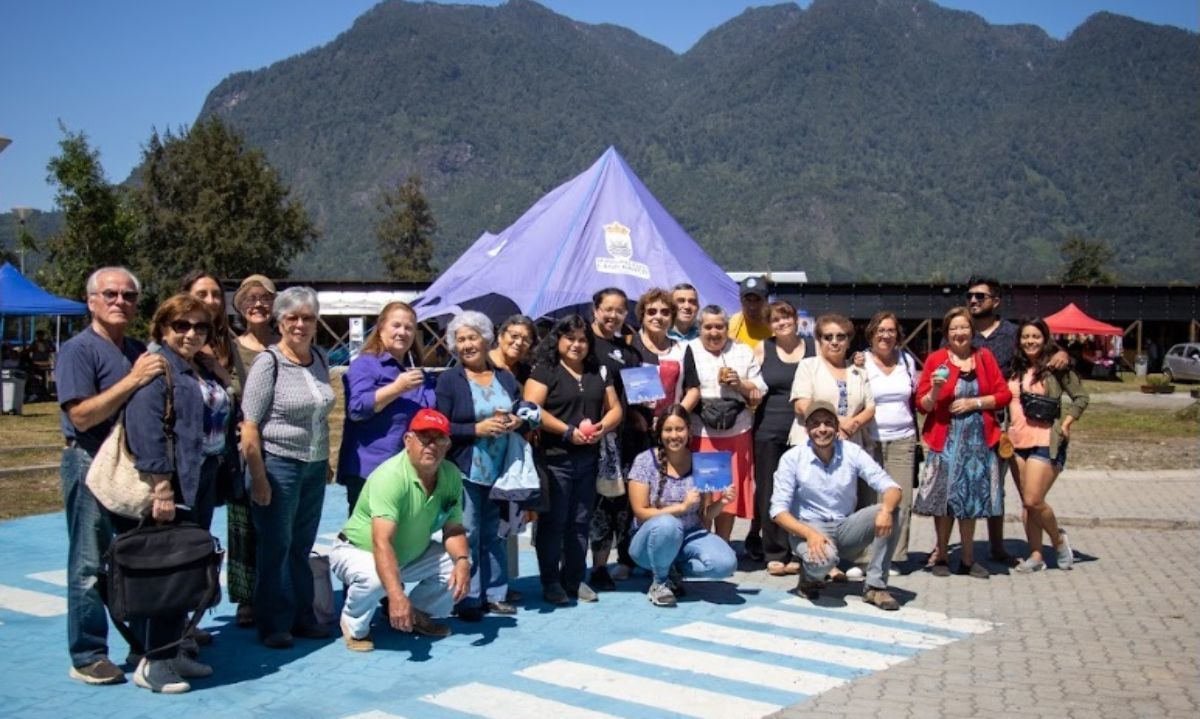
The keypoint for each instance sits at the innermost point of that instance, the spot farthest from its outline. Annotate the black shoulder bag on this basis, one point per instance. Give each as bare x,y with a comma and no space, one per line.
1039,407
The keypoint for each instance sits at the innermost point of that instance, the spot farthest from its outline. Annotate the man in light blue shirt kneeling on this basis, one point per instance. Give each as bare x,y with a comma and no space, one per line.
816,486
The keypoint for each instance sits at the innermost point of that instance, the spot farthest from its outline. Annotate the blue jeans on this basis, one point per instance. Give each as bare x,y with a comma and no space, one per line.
663,541
562,533
287,529
489,563
89,534
848,536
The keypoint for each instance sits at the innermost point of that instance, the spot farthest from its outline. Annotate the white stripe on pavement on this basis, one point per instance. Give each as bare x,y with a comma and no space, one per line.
57,577
685,700
905,614
322,549
331,536
787,646
38,604
374,714
718,665
841,627
496,703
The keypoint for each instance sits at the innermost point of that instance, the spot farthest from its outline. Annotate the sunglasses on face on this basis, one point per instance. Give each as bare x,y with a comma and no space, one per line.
111,296
183,326
838,337
657,312
980,296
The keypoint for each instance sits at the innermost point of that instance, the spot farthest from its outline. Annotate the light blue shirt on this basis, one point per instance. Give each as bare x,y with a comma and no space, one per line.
813,491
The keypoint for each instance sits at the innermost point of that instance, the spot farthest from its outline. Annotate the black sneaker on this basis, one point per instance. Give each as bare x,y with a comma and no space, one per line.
469,614
601,580
808,588
101,671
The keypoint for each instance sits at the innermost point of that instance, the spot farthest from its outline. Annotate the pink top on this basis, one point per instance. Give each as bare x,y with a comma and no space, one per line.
1025,433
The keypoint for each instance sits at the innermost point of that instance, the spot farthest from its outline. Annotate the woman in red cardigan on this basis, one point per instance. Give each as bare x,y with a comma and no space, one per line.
958,392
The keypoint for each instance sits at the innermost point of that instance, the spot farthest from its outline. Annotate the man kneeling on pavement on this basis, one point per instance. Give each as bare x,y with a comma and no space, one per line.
816,486
387,540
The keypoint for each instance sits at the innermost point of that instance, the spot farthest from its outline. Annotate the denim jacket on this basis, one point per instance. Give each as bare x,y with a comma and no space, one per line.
147,437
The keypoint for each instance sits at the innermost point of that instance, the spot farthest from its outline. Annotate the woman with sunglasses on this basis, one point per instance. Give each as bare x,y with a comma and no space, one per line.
656,316
253,301
959,391
285,441
384,388
670,514
1039,435
831,377
184,468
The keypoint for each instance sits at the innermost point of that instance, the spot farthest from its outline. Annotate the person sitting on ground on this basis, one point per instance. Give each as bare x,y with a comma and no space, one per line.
670,514
816,487
387,540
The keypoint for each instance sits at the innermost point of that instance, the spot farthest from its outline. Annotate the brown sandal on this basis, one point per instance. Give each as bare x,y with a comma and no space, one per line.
776,569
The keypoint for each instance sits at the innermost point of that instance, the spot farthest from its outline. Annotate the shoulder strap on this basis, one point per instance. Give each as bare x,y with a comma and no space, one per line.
169,416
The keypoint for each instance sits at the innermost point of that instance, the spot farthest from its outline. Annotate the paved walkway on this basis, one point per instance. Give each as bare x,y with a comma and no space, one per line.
1116,637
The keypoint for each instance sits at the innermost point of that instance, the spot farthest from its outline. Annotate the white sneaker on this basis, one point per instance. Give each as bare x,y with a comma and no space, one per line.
1066,557
159,677
189,668
855,574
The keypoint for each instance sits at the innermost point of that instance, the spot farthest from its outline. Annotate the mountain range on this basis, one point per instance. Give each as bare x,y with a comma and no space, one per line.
858,140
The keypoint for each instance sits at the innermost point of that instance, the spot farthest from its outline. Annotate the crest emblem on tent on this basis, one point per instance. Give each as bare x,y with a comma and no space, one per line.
619,243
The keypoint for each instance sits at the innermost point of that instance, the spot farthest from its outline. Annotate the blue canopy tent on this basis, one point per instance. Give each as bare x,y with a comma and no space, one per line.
19,297
602,228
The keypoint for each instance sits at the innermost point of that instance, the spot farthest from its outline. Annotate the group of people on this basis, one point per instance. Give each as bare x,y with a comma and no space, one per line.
822,444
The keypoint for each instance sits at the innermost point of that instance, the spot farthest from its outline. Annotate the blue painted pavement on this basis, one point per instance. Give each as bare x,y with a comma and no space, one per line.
726,651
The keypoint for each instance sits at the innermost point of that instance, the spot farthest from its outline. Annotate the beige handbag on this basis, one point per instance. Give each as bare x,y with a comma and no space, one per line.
114,480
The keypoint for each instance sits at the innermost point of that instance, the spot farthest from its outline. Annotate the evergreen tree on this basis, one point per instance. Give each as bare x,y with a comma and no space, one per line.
1085,261
405,232
206,200
97,222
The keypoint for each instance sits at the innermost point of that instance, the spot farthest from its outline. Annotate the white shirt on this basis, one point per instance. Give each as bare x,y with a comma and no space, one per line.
708,366
893,393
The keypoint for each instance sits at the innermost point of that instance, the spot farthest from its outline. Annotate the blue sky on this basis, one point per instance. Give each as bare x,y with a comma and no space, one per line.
118,68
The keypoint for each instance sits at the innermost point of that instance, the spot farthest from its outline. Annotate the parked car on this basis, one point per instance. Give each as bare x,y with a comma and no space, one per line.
1182,362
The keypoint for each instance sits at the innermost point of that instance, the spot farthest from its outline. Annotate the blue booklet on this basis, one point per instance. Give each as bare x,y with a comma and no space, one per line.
712,471
642,384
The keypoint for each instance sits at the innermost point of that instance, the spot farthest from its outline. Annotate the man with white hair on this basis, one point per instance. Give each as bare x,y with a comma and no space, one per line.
97,371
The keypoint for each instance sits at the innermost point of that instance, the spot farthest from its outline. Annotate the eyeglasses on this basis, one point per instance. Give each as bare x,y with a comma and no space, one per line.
885,333
299,319
839,337
259,299
110,296
437,440
658,312
183,326
980,296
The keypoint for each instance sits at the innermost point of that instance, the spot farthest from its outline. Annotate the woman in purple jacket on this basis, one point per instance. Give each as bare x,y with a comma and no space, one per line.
384,388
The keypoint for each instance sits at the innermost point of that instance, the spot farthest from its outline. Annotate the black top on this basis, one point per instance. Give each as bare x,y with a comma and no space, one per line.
773,419
616,355
1002,343
570,401
638,345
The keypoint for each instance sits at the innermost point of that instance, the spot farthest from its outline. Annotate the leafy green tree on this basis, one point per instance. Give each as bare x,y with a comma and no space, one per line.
204,199
97,222
405,232
1085,261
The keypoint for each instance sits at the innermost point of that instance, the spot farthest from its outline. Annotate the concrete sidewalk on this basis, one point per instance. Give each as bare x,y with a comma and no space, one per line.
1118,636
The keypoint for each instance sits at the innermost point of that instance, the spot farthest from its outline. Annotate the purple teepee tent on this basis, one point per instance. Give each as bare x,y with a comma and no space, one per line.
602,228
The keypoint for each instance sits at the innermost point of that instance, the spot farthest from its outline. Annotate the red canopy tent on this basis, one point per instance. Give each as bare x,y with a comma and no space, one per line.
1071,320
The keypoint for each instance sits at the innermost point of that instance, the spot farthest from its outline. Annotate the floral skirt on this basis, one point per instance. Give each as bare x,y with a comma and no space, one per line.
963,480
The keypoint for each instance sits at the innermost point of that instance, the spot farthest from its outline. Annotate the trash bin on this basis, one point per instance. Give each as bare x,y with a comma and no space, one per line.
1141,365
12,389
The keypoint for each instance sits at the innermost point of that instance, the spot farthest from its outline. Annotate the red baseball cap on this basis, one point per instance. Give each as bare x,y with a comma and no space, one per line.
430,419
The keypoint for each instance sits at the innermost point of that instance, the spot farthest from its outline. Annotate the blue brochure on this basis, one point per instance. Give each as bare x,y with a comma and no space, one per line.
712,471
642,384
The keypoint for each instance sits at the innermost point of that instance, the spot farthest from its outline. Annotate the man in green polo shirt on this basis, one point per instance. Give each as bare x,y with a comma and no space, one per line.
387,540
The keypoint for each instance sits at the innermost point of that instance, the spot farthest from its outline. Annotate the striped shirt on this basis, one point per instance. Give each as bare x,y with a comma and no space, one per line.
292,412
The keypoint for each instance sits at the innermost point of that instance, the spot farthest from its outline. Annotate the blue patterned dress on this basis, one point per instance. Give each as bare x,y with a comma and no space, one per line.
963,480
